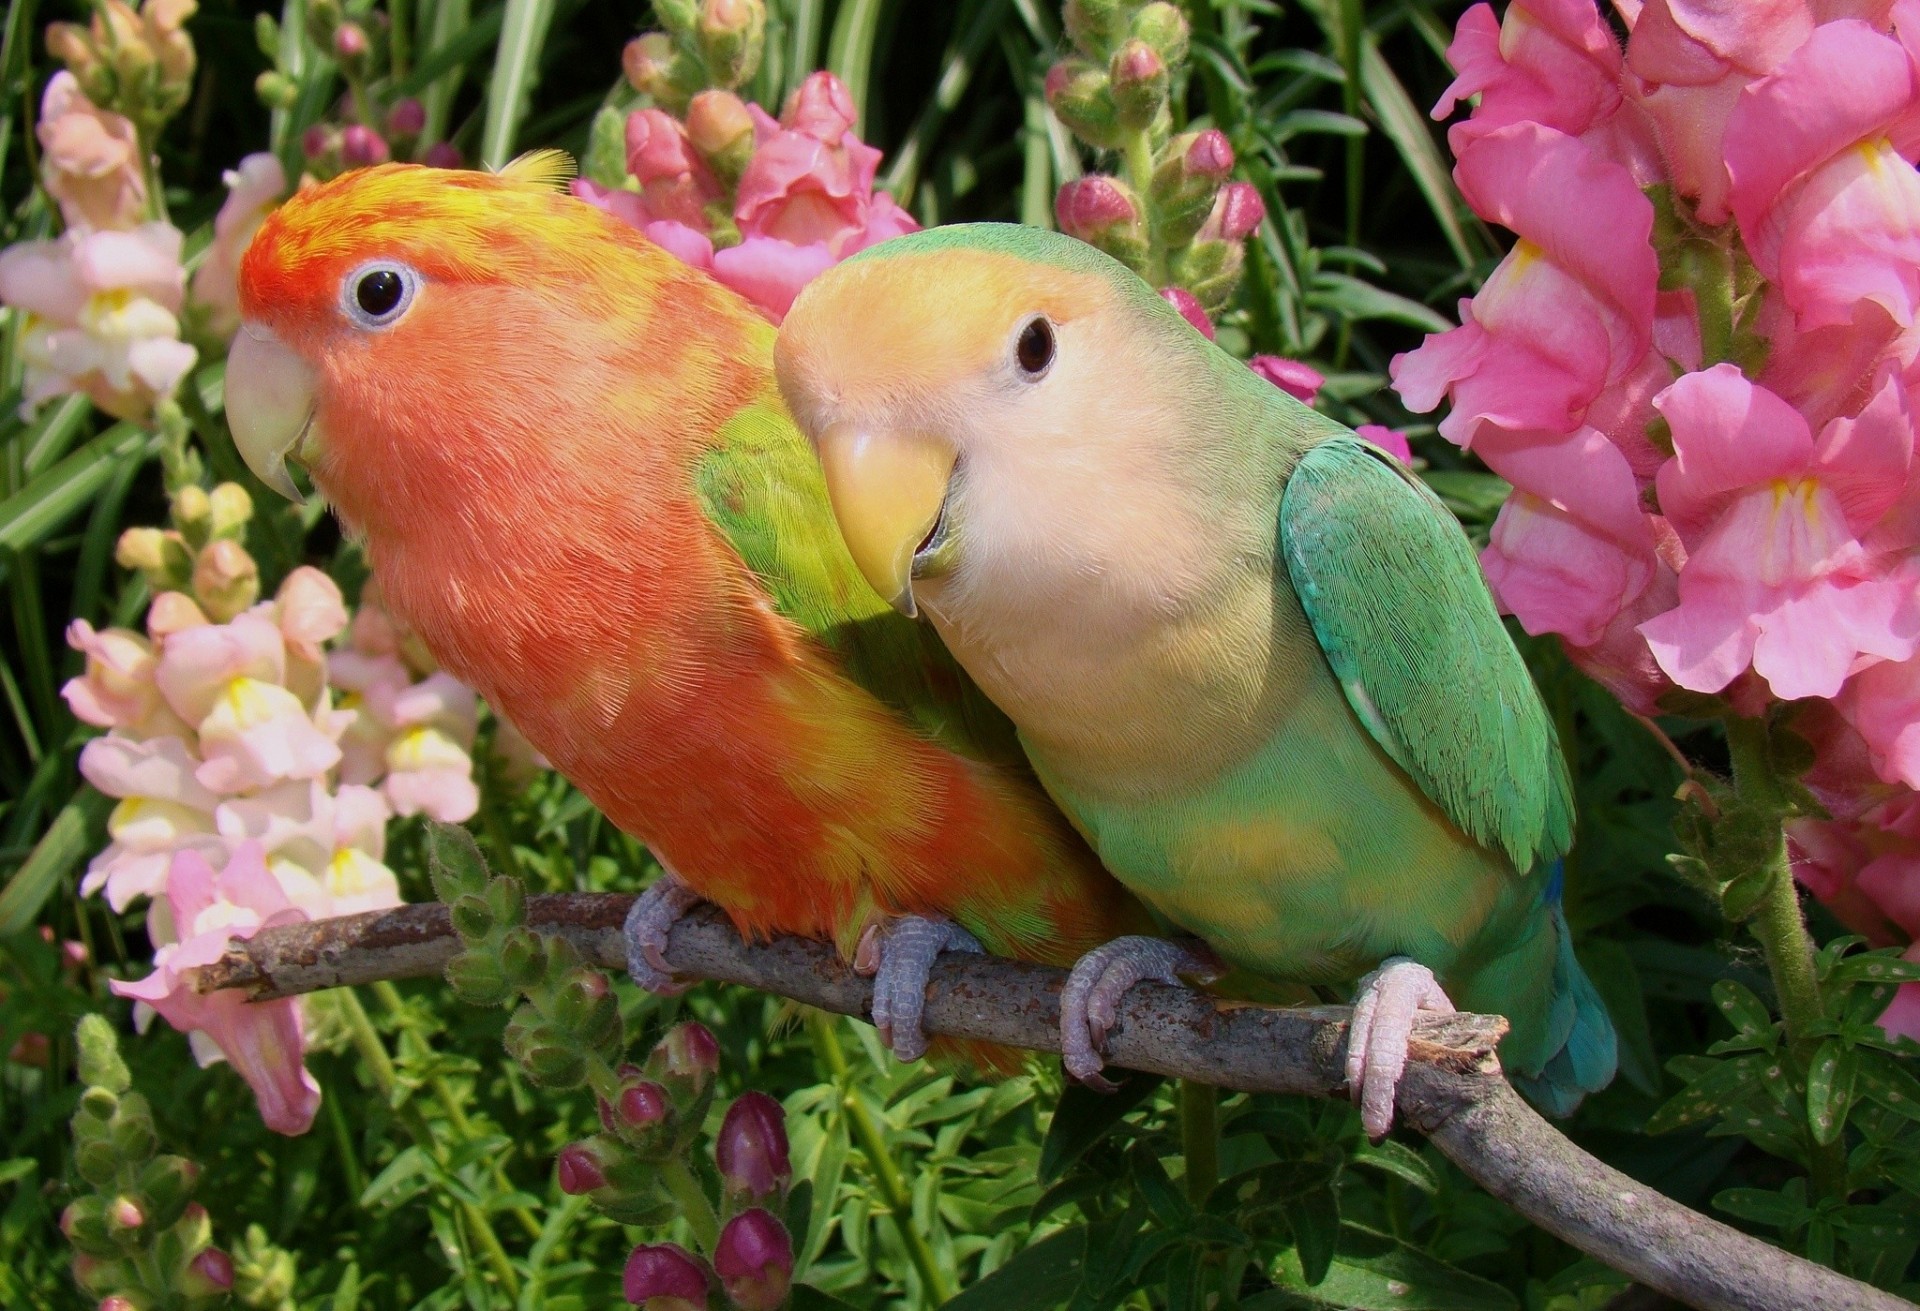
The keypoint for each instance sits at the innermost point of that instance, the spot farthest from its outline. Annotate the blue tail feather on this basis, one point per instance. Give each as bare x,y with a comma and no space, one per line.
1587,1051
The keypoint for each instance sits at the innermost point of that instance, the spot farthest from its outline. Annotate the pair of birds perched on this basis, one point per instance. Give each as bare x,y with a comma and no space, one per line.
1249,657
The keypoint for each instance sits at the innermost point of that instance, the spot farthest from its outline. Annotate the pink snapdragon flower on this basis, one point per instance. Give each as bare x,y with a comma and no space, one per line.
1568,313
254,188
200,911
1298,380
163,809
1773,519
90,159
101,316
804,201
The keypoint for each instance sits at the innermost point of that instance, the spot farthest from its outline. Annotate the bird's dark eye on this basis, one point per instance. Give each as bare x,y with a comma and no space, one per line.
379,292
375,295
1034,350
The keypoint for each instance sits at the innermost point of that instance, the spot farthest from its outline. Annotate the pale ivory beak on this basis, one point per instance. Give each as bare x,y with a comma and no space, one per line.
887,489
270,399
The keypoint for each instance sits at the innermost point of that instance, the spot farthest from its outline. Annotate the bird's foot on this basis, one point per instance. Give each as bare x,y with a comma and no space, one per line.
1101,977
1383,1011
899,953
652,918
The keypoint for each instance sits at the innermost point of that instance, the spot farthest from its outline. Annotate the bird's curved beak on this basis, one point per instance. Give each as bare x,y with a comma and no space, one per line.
270,400
887,488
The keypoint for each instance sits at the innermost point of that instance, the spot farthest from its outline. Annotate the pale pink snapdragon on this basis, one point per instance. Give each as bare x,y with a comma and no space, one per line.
198,912
254,187
101,313
91,159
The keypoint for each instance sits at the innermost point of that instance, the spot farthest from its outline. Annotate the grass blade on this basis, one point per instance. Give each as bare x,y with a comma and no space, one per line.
516,67
30,514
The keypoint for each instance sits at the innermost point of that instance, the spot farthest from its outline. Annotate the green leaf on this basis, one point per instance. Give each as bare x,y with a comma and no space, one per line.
1375,1272
1875,967
1830,1089
1044,1275
58,851
1351,298
31,514
1315,1220
1408,129
1084,1116
1396,1158
516,67
1714,1092
1882,1080
1762,1206
807,1298
1747,1014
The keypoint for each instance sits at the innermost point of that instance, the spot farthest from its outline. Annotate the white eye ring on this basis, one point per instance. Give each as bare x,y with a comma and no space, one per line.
376,294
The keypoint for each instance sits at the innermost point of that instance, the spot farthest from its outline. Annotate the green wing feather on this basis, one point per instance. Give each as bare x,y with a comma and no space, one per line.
762,488
1396,598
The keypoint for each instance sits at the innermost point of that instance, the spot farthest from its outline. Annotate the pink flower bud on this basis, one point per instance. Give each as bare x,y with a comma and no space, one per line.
124,1214
1057,78
580,1170
689,1051
641,1106
645,61
361,146
1182,299
208,1274
751,1149
406,118
1136,64
1300,381
665,1277
318,140
1236,213
821,108
754,1259
1387,439
350,41
1210,155
443,154
725,16
116,1303
1088,206
716,121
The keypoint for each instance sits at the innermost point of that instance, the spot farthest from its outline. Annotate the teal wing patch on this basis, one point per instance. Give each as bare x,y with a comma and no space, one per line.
1396,598
762,489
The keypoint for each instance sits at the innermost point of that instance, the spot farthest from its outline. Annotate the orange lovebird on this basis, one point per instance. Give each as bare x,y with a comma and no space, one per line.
574,477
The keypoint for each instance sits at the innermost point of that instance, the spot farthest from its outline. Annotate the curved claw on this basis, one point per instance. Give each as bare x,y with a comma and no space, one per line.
1383,1011
1090,1001
651,920
899,954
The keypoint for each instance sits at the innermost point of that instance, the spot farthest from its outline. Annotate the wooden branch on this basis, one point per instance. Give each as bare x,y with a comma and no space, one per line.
1453,1090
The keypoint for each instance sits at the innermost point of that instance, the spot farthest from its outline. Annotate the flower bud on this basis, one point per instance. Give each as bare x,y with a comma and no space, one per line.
97,1162
84,1223
754,1259
507,899
1096,25
522,958
1103,212
580,1170
731,36
477,980
73,46
665,1277
124,1217
586,1009
276,90
407,117
686,1061
677,15
1081,97
350,43
471,916
648,62
159,554
225,579
192,508
1237,212
1164,27
98,1061
751,1150
1185,182
1139,80
319,141
131,1130
721,131
173,612
1182,299
209,1274
266,35
1210,270
97,1274
362,147
117,1303
229,509
1300,381
443,154
166,1182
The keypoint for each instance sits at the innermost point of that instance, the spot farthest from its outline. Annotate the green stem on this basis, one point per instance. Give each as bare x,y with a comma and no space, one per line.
366,1040
456,1114
1200,1138
1137,155
886,1173
1782,930
399,37
686,1190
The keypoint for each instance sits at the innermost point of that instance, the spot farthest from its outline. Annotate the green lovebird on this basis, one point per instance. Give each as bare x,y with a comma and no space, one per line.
1250,655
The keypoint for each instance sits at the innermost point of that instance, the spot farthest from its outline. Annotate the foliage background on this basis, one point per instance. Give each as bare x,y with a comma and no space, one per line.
431,1151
